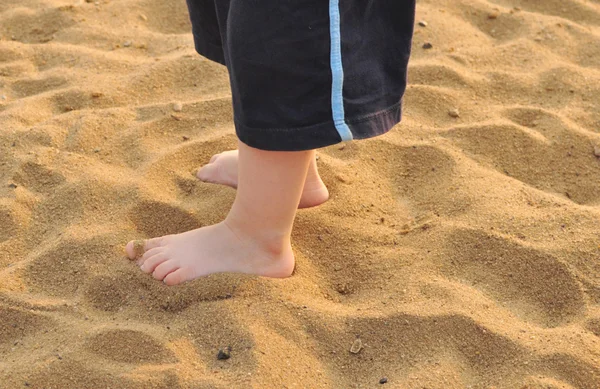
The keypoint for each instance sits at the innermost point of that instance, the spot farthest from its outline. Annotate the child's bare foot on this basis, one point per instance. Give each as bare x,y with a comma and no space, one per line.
215,249
223,169
255,236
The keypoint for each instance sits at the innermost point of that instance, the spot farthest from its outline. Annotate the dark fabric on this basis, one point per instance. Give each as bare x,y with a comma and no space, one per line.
278,57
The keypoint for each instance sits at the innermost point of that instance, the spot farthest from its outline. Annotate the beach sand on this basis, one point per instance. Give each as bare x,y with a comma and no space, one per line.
462,248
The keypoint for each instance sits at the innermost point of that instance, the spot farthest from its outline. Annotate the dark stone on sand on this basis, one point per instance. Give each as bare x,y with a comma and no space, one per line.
224,353
427,45
11,185
383,380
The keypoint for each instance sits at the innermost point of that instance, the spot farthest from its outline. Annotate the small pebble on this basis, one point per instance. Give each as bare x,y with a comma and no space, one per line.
224,353
11,185
454,113
96,94
186,138
383,380
3,97
96,150
127,44
493,15
597,151
144,17
423,23
356,346
342,178
427,45
177,107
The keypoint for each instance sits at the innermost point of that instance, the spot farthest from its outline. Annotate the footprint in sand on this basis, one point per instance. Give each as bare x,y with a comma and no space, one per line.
156,219
63,269
7,221
29,87
17,324
129,346
37,177
546,154
535,286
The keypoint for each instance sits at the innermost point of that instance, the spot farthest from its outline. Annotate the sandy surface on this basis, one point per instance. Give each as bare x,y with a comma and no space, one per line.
464,252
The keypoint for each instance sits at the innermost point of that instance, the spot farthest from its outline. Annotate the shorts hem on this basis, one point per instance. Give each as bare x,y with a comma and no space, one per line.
318,135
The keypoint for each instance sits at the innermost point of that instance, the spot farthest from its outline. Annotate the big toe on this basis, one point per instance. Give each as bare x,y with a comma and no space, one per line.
177,277
208,172
214,158
134,249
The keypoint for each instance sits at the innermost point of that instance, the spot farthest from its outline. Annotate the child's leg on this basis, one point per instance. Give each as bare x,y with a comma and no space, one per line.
255,236
223,169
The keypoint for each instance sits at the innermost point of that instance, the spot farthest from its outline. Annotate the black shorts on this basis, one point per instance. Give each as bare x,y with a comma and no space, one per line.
308,73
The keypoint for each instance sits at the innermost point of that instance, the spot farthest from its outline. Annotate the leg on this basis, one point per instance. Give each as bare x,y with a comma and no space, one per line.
255,236
223,169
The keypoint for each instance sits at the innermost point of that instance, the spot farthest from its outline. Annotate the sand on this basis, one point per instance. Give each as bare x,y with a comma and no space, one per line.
462,248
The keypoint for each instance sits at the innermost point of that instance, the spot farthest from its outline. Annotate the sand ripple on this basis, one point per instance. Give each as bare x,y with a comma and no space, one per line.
463,251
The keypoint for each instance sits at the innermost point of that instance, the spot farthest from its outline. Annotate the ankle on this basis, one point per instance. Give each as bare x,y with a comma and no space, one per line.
273,243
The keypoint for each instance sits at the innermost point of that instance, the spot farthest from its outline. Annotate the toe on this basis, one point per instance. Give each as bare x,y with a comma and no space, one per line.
151,253
153,243
208,172
136,249
151,263
130,250
165,268
214,158
176,277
